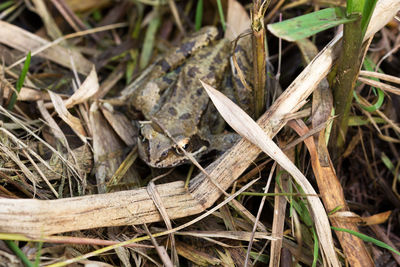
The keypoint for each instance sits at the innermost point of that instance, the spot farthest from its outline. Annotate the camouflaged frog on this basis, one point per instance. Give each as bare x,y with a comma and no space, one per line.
171,98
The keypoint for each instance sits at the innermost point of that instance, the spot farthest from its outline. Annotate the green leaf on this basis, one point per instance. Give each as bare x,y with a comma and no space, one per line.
388,163
131,65
378,103
149,40
370,66
6,4
310,24
199,15
363,7
38,253
97,15
316,248
360,121
221,14
369,7
354,6
261,258
20,81
18,252
367,239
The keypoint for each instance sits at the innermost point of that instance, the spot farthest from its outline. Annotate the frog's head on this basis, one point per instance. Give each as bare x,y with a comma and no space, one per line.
159,151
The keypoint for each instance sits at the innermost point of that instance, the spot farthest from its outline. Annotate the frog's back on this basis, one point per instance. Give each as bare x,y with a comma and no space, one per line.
171,60
188,100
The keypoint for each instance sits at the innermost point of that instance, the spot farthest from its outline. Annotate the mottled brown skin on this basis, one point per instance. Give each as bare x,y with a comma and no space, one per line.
170,95
183,108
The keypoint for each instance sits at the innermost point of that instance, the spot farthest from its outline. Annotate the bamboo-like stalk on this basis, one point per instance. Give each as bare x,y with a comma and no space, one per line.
345,80
259,56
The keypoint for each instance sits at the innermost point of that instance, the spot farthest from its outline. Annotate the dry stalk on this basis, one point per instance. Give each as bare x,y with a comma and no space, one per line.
259,55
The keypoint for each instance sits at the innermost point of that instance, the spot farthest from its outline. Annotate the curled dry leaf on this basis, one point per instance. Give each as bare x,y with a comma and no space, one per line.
332,194
237,20
122,126
54,128
248,128
28,94
348,216
67,117
87,89
377,218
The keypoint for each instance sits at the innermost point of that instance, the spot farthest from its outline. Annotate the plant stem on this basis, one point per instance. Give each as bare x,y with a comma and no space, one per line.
343,85
259,63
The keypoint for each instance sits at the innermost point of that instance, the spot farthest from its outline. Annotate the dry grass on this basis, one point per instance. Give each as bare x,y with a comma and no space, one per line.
71,176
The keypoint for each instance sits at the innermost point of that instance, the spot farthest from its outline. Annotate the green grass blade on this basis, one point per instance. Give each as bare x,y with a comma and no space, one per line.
309,24
367,239
370,66
149,40
221,14
378,103
388,163
199,15
316,248
367,14
138,23
39,251
20,81
354,6
97,15
131,66
6,4
363,7
335,210
18,252
360,121
261,258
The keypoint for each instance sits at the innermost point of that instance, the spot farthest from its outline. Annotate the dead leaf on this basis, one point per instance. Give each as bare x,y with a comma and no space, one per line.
126,130
81,6
377,218
67,117
106,146
237,20
87,89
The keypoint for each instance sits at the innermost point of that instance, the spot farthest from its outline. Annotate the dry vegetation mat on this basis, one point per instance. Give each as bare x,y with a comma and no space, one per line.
39,219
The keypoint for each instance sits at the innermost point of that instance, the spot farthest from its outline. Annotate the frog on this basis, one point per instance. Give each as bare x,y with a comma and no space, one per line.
177,109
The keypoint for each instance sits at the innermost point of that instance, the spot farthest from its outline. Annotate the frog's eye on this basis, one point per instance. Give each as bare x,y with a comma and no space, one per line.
164,154
183,144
